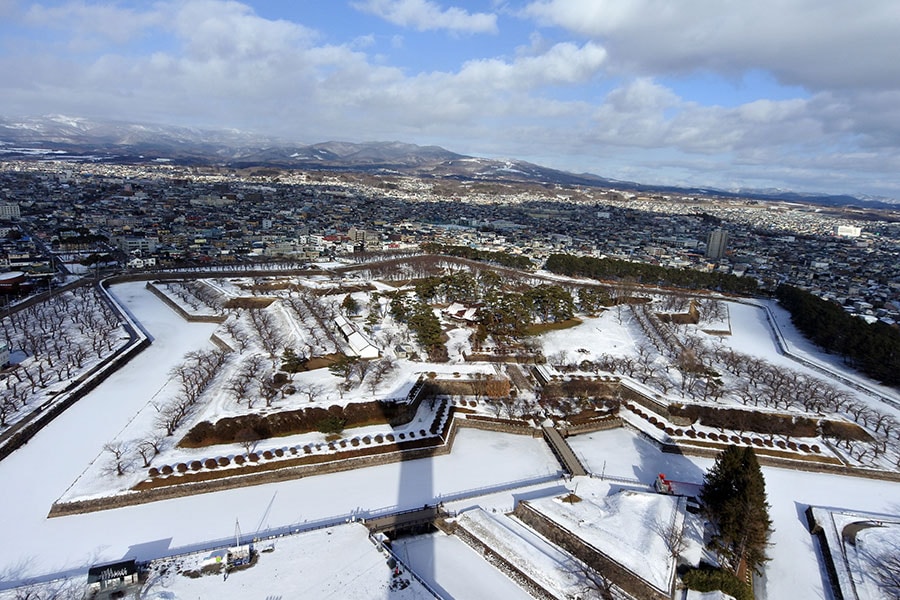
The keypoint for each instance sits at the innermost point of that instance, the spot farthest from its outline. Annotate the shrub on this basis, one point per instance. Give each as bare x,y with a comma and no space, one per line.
389,437
804,448
422,433
402,436
153,472
354,442
239,459
379,438
307,449
224,461
279,452
166,470
254,457
199,434
844,430
709,579
367,440
211,463
332,424
181,468
196,465
268,455
781,444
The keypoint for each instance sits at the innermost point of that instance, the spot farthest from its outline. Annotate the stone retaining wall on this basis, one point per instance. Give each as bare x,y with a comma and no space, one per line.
818,532
534,589
181,312
488,424
220,343
178,490
43,418
600,562
592,426
797,464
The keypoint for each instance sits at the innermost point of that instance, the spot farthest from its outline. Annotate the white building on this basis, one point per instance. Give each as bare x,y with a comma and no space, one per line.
357,342
848,231
9,210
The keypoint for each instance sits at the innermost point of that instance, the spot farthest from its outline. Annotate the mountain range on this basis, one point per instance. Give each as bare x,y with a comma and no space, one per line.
75,138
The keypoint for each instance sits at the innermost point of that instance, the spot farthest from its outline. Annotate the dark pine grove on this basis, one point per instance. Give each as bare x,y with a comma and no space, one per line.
872,348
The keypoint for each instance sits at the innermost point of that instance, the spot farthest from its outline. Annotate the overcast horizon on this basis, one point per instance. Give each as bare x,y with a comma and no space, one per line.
795,95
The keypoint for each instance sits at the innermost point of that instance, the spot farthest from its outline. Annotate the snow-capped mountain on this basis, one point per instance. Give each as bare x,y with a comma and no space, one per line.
59,136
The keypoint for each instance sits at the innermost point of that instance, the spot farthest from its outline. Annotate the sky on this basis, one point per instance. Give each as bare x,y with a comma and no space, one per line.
792,94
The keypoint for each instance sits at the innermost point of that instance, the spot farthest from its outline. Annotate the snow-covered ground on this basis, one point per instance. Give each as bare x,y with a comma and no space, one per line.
455,570
39,473
338,562
795,571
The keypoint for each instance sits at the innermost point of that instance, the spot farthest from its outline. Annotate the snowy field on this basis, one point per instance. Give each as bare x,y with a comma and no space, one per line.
41,471
794,571
38,548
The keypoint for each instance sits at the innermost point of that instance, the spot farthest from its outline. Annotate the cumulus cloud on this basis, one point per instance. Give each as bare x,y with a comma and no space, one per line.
424,15
563,63
818,44
577,106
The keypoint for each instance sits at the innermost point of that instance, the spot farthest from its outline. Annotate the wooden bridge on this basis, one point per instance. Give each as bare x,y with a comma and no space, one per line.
563,452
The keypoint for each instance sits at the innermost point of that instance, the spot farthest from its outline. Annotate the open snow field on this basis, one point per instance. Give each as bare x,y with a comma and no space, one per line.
794,571
39,473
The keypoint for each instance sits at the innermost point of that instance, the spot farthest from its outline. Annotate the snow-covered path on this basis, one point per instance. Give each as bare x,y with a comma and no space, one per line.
37,474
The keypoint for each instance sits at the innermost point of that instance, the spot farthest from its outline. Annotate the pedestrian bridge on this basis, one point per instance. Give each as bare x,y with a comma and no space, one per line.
563,452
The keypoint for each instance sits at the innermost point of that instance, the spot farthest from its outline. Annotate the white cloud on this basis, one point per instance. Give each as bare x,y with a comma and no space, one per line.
223,65
563,63
424,15
817,44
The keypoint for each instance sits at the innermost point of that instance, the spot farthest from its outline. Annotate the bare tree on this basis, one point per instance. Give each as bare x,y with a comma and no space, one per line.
672,535
313,391
119,462
886,571
595,584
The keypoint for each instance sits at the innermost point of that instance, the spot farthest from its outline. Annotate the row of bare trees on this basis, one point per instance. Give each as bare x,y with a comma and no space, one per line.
61,336
196,293
192,377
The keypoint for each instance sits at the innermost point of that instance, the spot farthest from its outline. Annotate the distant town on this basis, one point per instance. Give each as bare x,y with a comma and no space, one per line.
60,216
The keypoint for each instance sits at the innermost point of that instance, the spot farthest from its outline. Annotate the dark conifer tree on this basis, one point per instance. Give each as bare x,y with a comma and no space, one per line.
734,500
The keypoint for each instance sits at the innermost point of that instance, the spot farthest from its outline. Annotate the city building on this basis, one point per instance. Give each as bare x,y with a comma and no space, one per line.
9,210
716,243
848,231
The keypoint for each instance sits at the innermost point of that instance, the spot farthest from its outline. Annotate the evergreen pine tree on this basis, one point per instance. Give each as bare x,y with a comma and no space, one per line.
734,500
